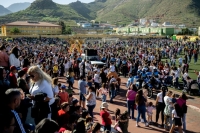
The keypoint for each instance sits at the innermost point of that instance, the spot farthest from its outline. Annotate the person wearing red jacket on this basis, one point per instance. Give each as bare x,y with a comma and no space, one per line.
12,77
105,116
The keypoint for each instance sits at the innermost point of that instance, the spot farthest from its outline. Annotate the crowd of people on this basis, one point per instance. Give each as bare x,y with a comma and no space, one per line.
29,82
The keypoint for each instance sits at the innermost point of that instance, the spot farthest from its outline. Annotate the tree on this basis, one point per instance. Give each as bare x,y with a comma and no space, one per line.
15,30
62,24
68,30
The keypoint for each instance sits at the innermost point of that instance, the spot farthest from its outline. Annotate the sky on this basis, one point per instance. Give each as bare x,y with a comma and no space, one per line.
7,3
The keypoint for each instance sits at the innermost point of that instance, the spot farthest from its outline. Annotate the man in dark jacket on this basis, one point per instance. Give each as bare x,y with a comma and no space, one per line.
13,100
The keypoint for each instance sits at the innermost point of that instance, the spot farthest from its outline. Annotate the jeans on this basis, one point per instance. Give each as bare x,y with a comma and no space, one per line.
141,111
130,106
90,109
103,97
107,127
160,108
112,95
184,121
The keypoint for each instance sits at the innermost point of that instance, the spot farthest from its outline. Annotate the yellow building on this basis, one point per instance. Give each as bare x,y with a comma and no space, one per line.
31,28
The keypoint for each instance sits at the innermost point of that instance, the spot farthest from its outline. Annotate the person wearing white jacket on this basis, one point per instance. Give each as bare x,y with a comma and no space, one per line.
13,58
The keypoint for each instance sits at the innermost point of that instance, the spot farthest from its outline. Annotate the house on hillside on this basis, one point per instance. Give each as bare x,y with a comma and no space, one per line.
31,28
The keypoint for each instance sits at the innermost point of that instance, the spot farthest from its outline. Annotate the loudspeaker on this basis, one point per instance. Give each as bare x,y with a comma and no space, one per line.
91,52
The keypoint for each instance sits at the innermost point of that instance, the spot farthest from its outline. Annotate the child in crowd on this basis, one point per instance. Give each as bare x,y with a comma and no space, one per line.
176,117
117,118
173,98
150,109
64,96
55,86
88,123
104,92
70,99
55,70
59,86
105,116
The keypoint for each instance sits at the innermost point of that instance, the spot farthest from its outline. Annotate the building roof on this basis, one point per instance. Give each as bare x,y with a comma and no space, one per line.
31,23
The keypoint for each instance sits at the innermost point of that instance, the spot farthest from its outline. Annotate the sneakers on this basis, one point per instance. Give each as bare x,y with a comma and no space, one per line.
146,124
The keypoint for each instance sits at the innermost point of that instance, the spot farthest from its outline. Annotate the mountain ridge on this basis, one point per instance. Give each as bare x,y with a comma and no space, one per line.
4,11
18,6
113,11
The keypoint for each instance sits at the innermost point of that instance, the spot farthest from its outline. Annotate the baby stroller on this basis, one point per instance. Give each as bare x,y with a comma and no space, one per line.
193,88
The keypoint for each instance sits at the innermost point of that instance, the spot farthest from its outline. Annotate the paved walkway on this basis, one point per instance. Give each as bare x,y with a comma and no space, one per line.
193,115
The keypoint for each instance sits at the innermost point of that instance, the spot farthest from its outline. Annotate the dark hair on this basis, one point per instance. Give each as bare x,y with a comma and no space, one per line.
1,73
70,95
84,113
164,89
88,119
96,126
150,104
139,96
47,126
183,96
55,81
80,126
2,47
15,51
5,120
64,105
134,88
21,73
92,88
59,84
117,113
178,110
11,95
76,108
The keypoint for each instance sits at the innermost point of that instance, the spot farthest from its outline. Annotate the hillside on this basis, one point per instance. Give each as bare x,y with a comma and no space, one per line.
4,11
18,6
43,10
114,11
179,11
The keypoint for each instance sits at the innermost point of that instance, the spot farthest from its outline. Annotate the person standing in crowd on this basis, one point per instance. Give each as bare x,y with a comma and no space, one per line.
168,109
97,82
71,78
91,100
131,93
13,99
7,123
14,58
160,106
176,117
64,96
4,58
63,114
12,77
41,93
55,87
104,92
47,125
55,70
4,84
105,117
22,82
181,101
82,91
140,102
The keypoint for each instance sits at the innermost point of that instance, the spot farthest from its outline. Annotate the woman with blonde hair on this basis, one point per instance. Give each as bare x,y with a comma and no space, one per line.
41,93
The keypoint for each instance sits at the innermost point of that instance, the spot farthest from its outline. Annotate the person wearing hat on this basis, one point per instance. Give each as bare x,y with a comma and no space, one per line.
105,116
55,70
12,77
64,96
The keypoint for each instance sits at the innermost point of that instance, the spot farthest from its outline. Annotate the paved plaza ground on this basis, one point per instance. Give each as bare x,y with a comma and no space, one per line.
192,119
